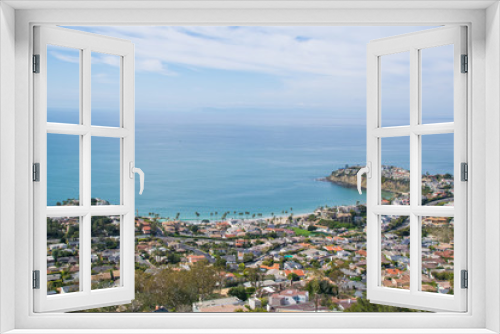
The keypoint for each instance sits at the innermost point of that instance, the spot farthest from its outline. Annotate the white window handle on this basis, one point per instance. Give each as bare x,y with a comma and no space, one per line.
364,170
139,171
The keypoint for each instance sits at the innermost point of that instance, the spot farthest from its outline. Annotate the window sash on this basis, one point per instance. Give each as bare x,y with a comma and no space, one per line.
86,297
414,298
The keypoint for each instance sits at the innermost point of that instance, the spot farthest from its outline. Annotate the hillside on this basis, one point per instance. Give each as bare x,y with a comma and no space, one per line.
346,177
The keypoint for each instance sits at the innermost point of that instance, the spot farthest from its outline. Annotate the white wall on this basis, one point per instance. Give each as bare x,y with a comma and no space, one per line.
488,164
7,163
492,165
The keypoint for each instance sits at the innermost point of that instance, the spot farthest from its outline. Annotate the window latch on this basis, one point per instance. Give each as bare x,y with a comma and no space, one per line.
364,170
139,171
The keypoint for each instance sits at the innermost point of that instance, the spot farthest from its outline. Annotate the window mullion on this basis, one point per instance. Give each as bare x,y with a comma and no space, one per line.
414,169
85,172
85,161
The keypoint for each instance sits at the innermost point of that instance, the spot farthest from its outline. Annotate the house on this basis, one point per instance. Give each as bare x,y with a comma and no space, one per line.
146,229
195,258
344,304
254,303
287,297
289,265
333,248
304,307
361,252
274,266
216,305
298,272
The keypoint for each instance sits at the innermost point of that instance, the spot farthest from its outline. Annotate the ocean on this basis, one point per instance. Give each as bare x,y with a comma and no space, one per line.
255,161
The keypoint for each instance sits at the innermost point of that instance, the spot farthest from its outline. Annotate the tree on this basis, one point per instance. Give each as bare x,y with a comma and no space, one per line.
268,262
364,305
255,277
311,228
203,276
220,263
238,292
293,277
247,257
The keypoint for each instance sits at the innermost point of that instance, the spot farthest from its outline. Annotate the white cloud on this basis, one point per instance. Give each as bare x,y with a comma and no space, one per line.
274,50
322,67
65,57
153,65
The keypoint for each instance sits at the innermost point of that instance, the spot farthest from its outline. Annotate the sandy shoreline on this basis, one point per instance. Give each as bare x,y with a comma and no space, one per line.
278,219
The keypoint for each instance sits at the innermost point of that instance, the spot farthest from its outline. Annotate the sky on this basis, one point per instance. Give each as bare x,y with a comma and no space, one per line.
196,68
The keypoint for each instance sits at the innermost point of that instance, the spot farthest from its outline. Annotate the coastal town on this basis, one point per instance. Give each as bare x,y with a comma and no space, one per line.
244,262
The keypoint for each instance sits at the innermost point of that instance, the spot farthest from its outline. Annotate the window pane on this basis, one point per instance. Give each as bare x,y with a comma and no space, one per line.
437,254
395,171
105,171
437,169
395,246
395,89
105,89
437,84
63,85
63,169
63,255
105,252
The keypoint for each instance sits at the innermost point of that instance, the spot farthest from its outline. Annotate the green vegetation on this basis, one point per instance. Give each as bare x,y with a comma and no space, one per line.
103,227
239,292
333,224
176,290
364,305
301,232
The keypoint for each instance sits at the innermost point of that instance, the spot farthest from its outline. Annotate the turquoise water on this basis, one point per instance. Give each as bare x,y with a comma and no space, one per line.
256,161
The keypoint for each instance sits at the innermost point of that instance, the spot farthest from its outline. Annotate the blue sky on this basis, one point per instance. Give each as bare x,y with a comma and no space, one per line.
251,68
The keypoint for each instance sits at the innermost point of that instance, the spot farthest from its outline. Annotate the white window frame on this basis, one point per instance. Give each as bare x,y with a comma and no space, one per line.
85,43
413,44
484,50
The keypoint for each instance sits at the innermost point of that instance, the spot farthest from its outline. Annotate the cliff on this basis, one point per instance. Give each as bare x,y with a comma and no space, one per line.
346,177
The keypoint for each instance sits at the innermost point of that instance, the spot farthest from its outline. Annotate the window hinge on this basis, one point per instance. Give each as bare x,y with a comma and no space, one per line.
464,167
36,172
465,64
36,63
36,279
465,279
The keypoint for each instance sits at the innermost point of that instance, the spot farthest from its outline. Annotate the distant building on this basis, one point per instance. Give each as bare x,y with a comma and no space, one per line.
229,304
286,298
